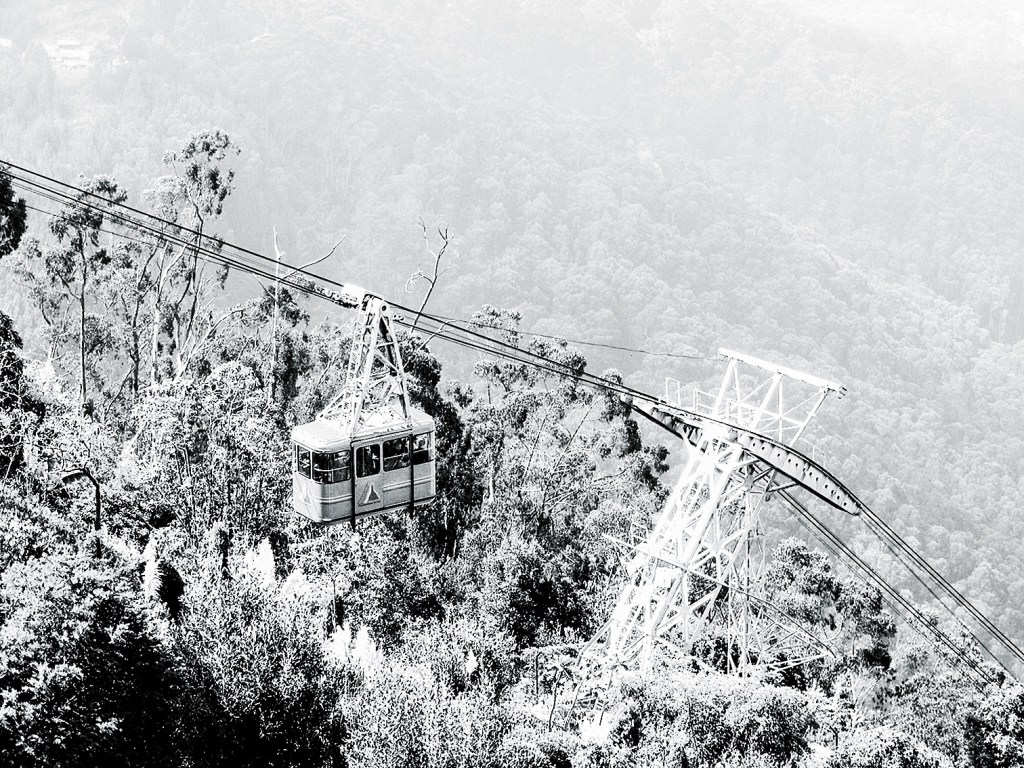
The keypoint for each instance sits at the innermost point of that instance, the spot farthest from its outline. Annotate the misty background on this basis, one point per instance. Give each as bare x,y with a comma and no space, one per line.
834,186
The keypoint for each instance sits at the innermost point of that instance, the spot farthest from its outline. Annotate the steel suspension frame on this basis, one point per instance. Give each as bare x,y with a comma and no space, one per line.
374,389
696,579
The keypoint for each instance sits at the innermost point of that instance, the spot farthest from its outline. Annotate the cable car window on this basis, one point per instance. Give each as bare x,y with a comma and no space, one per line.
321,473
396,453
367,460
331,467
302,465
341,466
422,448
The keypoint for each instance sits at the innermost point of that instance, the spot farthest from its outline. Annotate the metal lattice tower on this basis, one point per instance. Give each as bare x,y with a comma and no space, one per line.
374,389
696,578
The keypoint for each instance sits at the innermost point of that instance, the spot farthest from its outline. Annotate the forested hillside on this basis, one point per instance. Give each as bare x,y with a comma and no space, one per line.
834,188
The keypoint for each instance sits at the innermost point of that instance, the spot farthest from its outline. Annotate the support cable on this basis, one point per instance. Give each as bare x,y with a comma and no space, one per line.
885,533
870,574
956,662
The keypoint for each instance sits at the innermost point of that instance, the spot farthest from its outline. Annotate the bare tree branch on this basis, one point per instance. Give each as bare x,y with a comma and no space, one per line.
315,261
277,299
436,272
196,345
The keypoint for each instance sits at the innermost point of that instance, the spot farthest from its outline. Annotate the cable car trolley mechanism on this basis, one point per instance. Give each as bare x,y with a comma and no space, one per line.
369,451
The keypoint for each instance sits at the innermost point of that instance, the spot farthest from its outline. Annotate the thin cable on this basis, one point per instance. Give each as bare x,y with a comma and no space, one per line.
907,611
582,342
901,558
201,251
407,309
111,232
881,583
218,256
955,661
206,253
886,531
107,204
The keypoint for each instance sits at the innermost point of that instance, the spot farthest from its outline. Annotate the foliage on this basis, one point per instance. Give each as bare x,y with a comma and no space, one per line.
772,723
885,748
259,646
70,631
995,731
382,582
846,614
190,197
12,216
402,716
708,719
213,450
18,407
458,488
923,696
64,276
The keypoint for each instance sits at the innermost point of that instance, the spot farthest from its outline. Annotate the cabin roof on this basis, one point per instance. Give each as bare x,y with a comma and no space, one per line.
331,435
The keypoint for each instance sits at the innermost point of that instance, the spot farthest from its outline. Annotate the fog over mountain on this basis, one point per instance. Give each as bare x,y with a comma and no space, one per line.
834,186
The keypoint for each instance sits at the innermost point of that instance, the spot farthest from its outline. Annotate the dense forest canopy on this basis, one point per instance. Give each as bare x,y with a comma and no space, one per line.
836,187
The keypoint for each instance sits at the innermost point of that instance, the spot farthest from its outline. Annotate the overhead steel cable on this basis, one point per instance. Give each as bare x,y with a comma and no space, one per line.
961,664
582,342
258,255
898,557
217,255
105,205
885,532
109,207
201,251
899,553
544,364
871,575
66,200
532,359
249,260
955,656
111,232
483,343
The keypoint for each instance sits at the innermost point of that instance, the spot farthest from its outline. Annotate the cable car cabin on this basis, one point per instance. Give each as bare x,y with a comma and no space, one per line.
339,476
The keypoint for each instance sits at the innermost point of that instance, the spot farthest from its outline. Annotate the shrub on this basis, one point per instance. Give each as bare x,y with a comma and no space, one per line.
885,748
82,679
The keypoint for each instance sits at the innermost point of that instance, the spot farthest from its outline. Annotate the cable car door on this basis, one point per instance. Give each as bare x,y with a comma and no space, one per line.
369,493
